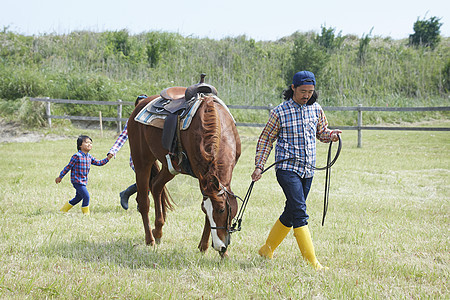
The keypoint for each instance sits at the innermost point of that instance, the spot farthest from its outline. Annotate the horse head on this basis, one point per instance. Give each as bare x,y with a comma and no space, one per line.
220,206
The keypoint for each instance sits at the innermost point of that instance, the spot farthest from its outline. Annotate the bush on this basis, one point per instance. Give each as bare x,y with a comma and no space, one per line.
426,33
306,55
446,77
18,82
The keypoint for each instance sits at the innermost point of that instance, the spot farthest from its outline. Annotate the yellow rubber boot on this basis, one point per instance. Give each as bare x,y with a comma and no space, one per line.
66,207
304,241
85,210
276,236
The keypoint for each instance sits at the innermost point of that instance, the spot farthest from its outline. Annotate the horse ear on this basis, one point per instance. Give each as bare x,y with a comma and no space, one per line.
215,182
211,184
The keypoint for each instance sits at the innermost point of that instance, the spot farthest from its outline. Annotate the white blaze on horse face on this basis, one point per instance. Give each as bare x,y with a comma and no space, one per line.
217,242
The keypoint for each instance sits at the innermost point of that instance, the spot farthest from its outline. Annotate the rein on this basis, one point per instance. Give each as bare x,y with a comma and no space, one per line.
237,224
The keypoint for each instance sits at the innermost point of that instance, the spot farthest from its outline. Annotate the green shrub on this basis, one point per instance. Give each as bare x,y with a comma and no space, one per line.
446,77
306,55
18,82
426,33
31,113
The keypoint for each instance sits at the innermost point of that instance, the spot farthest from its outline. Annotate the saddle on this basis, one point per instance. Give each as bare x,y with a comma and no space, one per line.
174,103
178,100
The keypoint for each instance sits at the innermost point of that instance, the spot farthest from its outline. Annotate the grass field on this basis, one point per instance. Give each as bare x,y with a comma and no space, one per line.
386,234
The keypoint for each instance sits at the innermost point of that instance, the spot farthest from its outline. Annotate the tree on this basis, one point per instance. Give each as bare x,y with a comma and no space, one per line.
426,33
306,55
328,40
119,40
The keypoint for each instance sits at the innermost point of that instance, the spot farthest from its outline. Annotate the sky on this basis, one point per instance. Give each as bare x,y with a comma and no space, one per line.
259,20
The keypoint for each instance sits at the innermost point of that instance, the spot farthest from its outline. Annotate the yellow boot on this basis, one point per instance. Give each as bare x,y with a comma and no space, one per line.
85,210
304,241
66,207
276,236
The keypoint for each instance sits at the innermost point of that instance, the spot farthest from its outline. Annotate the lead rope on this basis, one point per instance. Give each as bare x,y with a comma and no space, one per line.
327,182
237,224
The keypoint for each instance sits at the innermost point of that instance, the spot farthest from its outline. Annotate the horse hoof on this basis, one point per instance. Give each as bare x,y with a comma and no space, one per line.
157,236
158,241
150,242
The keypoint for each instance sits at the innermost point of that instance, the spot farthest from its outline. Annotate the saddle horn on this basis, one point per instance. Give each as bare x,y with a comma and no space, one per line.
202,78
200,87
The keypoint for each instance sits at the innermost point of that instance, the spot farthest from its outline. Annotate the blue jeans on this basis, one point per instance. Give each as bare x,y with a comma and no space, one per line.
82,194
296,190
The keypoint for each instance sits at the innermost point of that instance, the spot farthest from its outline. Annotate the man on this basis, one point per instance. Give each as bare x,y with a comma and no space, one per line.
123,137
295,124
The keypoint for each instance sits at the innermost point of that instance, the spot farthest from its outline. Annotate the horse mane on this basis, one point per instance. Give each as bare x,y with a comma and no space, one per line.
210,125
210,141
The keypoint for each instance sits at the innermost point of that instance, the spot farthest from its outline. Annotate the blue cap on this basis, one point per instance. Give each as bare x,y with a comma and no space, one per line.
304,78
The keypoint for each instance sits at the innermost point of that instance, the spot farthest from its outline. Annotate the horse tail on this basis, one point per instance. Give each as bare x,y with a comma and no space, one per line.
166,198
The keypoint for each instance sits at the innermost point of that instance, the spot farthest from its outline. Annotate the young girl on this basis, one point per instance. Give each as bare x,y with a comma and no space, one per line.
79,165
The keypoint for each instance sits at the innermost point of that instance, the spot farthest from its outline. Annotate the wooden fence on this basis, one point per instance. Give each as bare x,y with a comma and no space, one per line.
119,118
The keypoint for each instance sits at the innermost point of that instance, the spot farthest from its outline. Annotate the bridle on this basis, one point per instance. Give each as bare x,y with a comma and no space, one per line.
224,190
237,224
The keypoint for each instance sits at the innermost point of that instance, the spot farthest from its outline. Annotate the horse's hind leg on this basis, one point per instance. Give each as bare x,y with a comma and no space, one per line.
157,188
142,179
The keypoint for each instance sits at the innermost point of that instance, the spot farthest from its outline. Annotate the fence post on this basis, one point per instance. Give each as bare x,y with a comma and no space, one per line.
101,122
119,116
270,108
359,126
48,112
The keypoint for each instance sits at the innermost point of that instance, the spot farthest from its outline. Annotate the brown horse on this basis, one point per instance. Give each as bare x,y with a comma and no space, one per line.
213,147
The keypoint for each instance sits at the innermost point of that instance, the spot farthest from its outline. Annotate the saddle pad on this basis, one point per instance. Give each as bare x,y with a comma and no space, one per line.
147,116
156,120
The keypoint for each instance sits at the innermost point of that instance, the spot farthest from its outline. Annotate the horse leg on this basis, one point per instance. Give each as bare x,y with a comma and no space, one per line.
157,189
204,242
142,179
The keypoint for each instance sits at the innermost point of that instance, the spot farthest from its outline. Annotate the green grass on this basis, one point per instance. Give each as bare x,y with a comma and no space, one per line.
385,236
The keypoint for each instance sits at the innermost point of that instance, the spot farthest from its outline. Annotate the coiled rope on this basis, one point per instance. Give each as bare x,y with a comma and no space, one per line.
238,219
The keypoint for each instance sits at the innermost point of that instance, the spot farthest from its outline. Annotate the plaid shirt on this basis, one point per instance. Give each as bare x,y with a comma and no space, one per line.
123,137
295,128
79,165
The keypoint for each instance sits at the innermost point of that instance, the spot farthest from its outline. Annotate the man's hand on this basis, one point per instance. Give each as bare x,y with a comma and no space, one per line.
58,180
335,135
256,174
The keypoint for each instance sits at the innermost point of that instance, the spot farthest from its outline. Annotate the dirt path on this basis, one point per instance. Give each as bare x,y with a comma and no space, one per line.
11,132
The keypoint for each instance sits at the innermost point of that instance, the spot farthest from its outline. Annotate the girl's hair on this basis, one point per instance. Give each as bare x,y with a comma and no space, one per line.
289,93
80,141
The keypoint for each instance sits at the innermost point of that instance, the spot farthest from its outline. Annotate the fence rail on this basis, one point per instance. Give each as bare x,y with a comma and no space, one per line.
119,119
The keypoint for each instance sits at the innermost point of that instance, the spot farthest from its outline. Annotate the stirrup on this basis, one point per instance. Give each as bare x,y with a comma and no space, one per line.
172,170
